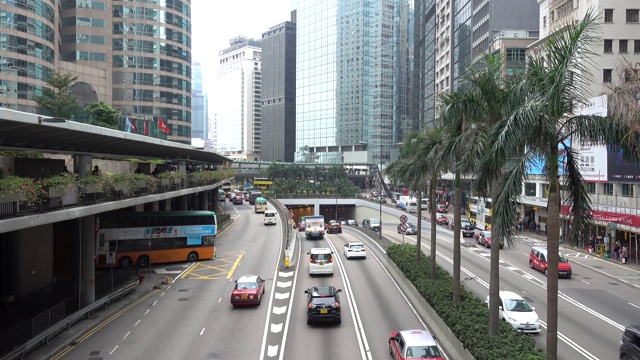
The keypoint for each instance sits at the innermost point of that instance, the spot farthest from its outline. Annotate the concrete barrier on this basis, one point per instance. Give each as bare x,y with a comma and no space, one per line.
446,338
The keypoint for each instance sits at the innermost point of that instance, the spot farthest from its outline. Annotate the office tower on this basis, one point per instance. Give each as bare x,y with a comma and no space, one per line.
352,79
237,99
134,55
279,92
198,105
424,63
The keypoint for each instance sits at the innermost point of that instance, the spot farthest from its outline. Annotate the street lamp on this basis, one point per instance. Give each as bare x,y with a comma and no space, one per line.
335,174
380,194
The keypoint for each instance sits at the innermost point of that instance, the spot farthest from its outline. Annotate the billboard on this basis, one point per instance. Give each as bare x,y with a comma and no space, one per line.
593,157
621,170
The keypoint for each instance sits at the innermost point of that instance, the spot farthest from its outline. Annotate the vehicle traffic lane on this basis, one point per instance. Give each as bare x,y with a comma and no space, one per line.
319,342
382,306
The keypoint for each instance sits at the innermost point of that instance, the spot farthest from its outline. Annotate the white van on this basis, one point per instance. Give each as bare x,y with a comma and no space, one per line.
320,261
270,217
412,206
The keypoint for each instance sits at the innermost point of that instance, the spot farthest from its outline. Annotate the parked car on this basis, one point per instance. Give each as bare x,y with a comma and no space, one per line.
442,219
355,249
516,311
484,238
323,304
538,260
411,229
248,290
413,344
630,343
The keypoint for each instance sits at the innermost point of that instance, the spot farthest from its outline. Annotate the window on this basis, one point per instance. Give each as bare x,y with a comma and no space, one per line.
636,46
623,45
627,190
633,15
606,75
544,22
607,188
591,187
529,189
608,15
608,46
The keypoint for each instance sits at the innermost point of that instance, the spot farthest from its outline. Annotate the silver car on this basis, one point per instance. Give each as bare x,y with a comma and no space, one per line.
411,229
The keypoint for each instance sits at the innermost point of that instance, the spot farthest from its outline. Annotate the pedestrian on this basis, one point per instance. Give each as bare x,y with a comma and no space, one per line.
624,253
616,252
155,171
538,228
96,171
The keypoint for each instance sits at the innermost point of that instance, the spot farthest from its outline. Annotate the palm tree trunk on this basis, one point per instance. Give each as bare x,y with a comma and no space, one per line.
456,239
494,277
553,249
419,222
432,208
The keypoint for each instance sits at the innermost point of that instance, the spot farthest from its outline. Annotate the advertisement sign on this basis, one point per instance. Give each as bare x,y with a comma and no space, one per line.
621,170
538,166
593,157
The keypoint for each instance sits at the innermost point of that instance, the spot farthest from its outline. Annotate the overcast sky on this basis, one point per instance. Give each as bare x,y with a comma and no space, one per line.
214,22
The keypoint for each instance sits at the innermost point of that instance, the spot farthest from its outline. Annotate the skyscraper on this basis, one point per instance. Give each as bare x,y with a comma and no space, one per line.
353,78
199,128
279,92
424,62
134,55
238,97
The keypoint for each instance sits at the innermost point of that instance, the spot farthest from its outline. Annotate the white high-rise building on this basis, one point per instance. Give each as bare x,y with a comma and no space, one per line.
237,100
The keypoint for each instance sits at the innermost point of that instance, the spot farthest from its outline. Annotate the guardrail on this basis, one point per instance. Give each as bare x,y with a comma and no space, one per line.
66,323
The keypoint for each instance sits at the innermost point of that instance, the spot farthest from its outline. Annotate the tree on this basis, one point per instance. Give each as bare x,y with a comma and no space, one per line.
554,83
102,114
468,115
56,100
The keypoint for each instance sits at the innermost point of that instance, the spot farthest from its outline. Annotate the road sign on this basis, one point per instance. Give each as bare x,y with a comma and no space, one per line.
111,257
403,218
403,227
291,222
290,214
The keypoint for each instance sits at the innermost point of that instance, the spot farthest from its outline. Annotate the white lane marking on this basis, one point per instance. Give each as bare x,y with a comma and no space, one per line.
165,271
365,351
268,319
183,271
154,303
283,284
127,334
586,282
485,254
272,350
276,328
285,274
202,332
161,295
572,344
219,300
146,312
286,323
281,296
137,322
168,287
512,268
278,310
634,305
114,349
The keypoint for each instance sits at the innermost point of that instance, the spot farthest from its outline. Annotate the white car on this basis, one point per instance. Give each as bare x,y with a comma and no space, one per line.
355,250
516,311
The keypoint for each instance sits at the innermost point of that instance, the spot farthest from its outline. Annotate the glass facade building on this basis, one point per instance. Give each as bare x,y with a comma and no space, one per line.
424,62
199,126
352,77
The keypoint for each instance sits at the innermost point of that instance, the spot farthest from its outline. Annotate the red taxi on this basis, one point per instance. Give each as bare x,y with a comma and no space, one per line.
248,291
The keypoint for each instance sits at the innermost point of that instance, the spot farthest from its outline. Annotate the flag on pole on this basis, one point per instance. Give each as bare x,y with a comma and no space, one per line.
127,124
162,126
146,127
133,125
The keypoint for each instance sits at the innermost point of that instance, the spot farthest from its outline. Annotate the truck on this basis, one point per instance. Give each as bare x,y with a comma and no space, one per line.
253,195
314,227
408,204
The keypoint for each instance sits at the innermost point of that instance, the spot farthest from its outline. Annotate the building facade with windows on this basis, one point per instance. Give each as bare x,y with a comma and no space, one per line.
135,55
423,97
279,92
237,101
199,108
353,73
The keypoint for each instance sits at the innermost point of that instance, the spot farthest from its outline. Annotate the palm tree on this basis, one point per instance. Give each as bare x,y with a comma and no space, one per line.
553,85
467,115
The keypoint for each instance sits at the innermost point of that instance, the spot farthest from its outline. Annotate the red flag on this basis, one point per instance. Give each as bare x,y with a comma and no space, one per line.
133,125
162,126
146,127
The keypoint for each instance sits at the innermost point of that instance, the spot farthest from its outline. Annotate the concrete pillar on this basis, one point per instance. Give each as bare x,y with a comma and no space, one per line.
183,202
87,265
165,205
139,208
193,201
82,165
203,200
155,206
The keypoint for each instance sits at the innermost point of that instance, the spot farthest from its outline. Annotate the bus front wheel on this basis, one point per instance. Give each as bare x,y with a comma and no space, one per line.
143,260
193,257
125,261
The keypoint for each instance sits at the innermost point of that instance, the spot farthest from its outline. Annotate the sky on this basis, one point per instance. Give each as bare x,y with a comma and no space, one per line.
214,22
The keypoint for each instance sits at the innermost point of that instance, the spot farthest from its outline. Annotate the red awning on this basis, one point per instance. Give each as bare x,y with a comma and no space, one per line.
609,217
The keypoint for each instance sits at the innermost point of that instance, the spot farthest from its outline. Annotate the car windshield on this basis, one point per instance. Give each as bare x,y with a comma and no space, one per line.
269,215
562,259
487,234
517,305
423,352
246,285
325,257
411,226
465,224
326,301
375,221
355,246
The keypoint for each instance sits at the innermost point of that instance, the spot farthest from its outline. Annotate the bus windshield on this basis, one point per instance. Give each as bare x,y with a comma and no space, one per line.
125,238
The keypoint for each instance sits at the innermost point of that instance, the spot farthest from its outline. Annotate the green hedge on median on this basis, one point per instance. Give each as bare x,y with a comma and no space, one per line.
468,320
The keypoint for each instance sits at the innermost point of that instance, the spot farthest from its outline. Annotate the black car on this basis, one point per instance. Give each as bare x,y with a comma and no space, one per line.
237,200
467,228
323,304
630,343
